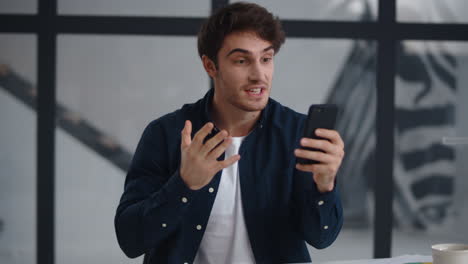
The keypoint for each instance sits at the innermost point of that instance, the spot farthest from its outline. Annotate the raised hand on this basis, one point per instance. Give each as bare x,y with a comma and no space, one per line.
199,162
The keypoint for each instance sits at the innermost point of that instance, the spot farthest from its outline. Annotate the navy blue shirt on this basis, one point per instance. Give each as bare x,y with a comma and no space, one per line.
161,217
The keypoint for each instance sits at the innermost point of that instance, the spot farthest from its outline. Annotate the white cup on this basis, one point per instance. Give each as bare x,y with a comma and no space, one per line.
450,254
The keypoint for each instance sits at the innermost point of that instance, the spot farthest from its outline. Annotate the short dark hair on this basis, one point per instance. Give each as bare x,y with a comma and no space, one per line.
238,17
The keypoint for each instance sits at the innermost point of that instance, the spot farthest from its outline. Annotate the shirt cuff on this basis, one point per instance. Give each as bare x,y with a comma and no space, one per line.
176,188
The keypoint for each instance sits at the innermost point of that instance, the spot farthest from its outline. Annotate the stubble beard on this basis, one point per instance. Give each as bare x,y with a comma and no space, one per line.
245,106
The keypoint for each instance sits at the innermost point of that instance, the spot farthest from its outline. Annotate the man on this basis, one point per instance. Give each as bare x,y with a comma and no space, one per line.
217,181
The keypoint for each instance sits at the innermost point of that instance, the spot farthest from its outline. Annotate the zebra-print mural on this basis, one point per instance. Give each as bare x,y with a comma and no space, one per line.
425,112
426,92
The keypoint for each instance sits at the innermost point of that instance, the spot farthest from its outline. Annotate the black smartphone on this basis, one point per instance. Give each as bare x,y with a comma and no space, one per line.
319,116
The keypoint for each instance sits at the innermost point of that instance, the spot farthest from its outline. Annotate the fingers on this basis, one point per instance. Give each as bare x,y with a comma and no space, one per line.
186,135
213,142
321,144
314,155
202,133
228,162
304,167
331,144
331,135
215,153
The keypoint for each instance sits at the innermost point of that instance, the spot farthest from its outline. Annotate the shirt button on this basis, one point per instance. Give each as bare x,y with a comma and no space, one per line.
321,202
211,190
325,227
198,227
184,200
164,225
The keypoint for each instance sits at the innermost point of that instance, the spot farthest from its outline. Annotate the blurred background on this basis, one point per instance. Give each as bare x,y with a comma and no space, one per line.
110,86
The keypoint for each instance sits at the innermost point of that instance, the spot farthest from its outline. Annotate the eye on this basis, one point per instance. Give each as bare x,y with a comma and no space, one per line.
240,61
267,59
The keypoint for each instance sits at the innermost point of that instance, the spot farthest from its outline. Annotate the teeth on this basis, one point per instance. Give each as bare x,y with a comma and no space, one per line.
255,91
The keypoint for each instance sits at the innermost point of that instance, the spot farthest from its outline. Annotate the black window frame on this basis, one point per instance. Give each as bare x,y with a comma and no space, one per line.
386,31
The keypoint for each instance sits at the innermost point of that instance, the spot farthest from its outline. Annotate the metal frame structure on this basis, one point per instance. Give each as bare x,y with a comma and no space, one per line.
47,24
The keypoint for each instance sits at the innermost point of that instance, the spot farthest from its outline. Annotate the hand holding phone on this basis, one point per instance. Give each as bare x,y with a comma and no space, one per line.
319,116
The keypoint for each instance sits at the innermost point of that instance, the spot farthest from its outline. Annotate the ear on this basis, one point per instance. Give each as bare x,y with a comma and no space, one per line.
209,66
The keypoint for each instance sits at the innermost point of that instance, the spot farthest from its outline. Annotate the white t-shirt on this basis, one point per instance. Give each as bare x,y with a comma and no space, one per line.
226,239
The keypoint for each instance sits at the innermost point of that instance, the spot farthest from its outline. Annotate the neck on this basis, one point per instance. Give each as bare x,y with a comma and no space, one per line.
235,121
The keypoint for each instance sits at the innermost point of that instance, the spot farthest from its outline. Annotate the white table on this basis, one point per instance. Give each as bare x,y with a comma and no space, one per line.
395,260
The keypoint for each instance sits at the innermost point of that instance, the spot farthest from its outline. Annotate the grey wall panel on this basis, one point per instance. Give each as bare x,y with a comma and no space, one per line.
306,69
432,11
186,8
121,83
337,10
17,154
18,6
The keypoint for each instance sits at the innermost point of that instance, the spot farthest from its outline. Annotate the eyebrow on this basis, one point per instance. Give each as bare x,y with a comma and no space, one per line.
246,51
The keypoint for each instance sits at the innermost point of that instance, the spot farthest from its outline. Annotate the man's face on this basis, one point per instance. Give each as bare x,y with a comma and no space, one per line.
245,71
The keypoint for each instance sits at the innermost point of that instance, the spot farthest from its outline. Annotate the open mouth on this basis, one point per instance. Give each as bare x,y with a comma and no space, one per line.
255,91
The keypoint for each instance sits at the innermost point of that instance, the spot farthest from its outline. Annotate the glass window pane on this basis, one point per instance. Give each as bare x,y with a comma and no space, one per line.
432,11
185,8
337,10
431,175
18,7
116,85
347,78
17,149
109,89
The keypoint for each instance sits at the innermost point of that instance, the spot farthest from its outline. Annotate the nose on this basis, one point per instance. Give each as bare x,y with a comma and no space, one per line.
256,72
